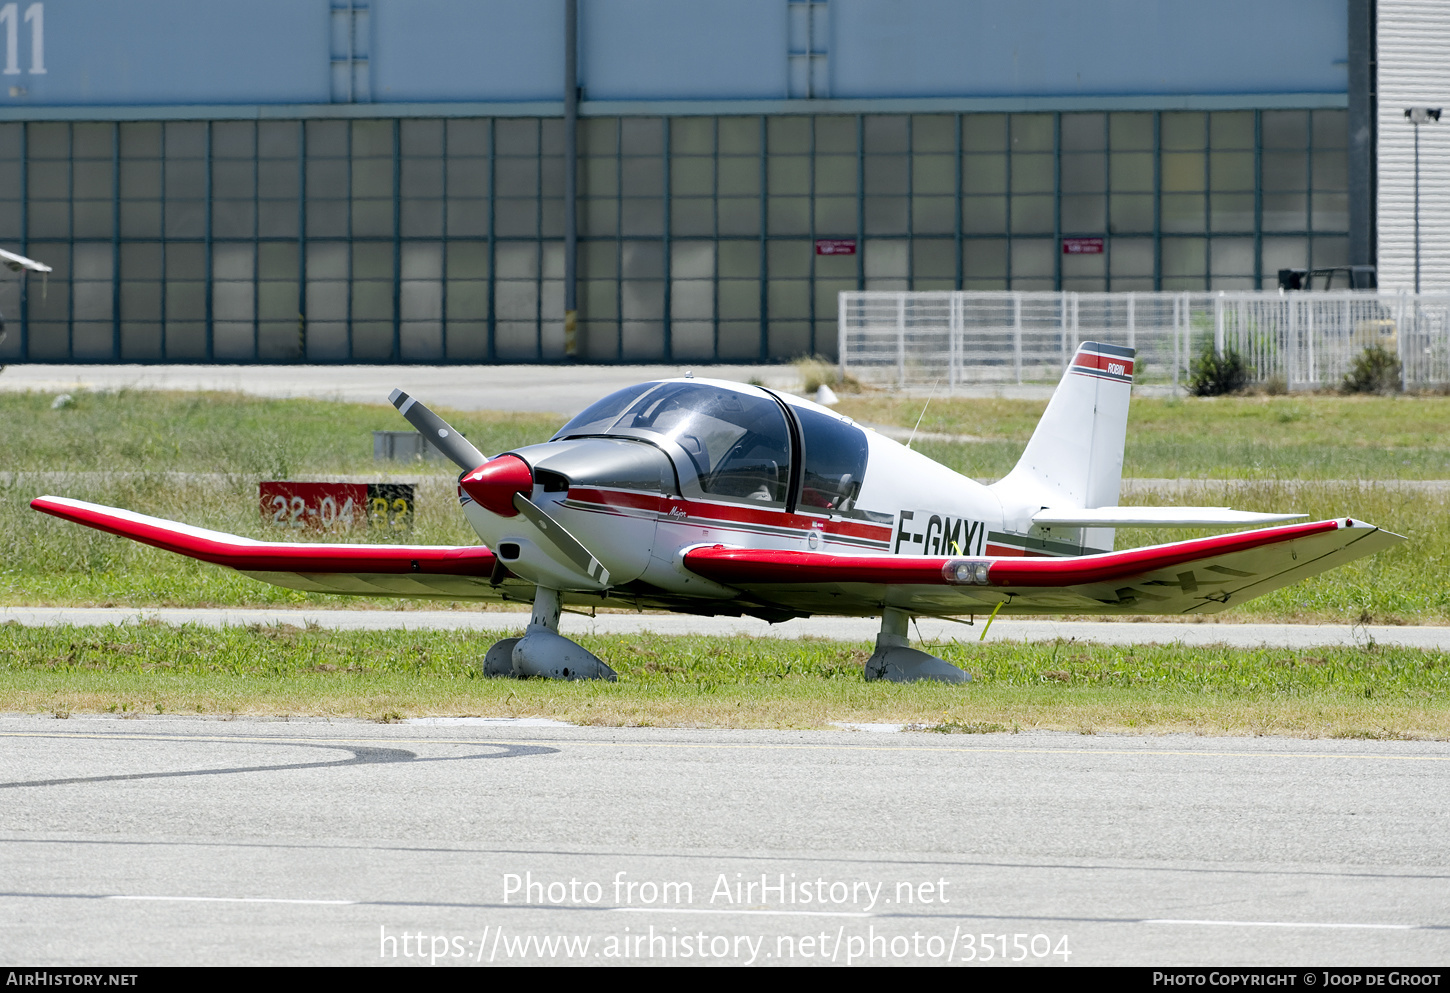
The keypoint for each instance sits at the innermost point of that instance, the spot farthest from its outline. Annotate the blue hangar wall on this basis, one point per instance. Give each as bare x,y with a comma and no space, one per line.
159,52
383,180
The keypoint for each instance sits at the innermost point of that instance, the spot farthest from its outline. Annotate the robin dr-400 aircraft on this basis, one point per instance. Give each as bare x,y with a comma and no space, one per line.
713,497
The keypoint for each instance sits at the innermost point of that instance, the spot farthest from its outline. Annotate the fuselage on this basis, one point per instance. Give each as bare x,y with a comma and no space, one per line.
659,468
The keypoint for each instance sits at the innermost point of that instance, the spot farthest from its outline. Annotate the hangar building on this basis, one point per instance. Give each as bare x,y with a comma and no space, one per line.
387,180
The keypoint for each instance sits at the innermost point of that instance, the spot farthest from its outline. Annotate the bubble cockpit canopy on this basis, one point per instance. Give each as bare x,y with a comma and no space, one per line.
734,440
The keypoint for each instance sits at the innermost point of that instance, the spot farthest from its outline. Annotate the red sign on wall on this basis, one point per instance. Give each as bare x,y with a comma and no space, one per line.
1082,246
835,246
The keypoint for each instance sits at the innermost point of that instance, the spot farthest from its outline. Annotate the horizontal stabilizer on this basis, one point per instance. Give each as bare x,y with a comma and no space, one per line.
1156,517
17,262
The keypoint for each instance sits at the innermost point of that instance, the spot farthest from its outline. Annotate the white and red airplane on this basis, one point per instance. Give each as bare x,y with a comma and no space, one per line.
713,497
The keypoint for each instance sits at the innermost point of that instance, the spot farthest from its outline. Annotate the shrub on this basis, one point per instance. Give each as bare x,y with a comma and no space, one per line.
817,372
1213,375
1374,371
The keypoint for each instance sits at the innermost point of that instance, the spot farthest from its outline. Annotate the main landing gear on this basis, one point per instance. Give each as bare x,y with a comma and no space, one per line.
543,652
895,662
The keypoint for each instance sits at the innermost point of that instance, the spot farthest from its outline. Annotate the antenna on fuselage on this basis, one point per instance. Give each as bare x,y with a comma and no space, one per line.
923,411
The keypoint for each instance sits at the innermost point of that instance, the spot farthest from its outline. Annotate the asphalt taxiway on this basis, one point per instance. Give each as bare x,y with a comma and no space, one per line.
178,841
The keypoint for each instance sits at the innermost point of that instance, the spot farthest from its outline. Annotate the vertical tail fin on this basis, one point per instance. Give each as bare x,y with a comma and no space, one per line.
1075,457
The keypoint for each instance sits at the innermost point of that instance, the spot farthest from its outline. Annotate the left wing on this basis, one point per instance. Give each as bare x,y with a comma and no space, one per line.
375,570
1204,575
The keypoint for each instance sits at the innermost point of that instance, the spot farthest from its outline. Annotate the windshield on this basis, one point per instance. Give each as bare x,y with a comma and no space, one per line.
738,443
598,416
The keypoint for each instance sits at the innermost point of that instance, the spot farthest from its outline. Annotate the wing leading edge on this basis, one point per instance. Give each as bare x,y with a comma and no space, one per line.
1204,575
386,570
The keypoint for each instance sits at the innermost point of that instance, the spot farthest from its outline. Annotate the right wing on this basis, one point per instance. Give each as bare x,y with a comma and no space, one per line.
461,573
1203,575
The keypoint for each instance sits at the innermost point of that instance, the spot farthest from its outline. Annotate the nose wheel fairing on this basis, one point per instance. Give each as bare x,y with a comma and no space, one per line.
543,653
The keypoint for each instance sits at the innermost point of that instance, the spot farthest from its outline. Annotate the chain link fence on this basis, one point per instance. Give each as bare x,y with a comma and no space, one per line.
1299,340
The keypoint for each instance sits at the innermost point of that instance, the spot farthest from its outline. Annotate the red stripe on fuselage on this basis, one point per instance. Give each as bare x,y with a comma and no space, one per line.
700,512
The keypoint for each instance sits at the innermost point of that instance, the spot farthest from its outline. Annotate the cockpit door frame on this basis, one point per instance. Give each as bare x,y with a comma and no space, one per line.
797,451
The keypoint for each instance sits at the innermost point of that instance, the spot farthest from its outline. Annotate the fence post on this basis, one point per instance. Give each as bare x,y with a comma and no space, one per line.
1218,324
1177,301
954,332
1017,334
1132,320
1400,337
1245,342
1062,325
1311,331
1348,337
1187,333
841,333
901,340
1293,336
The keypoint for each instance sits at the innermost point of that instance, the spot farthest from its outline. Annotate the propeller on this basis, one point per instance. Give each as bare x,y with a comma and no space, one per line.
558,536
438,432
502,485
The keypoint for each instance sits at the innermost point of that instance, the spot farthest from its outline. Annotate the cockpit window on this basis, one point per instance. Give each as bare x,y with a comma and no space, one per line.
597,417
835,461
739,443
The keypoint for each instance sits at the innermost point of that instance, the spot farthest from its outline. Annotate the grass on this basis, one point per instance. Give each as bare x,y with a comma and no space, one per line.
1258,437
1373,692
1403,585
236,436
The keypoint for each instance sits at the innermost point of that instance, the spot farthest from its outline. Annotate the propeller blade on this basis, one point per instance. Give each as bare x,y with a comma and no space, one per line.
558,536
438,432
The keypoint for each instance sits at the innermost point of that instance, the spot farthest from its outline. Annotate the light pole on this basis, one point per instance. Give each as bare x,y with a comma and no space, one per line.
571,179
1418,116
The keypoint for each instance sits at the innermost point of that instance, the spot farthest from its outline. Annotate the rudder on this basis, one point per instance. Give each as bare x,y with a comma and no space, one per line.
1075,457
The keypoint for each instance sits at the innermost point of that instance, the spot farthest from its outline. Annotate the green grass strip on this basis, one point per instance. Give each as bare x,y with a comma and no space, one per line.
1375,692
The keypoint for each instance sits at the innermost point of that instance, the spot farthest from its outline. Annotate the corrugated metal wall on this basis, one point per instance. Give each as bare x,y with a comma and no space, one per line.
1414,70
